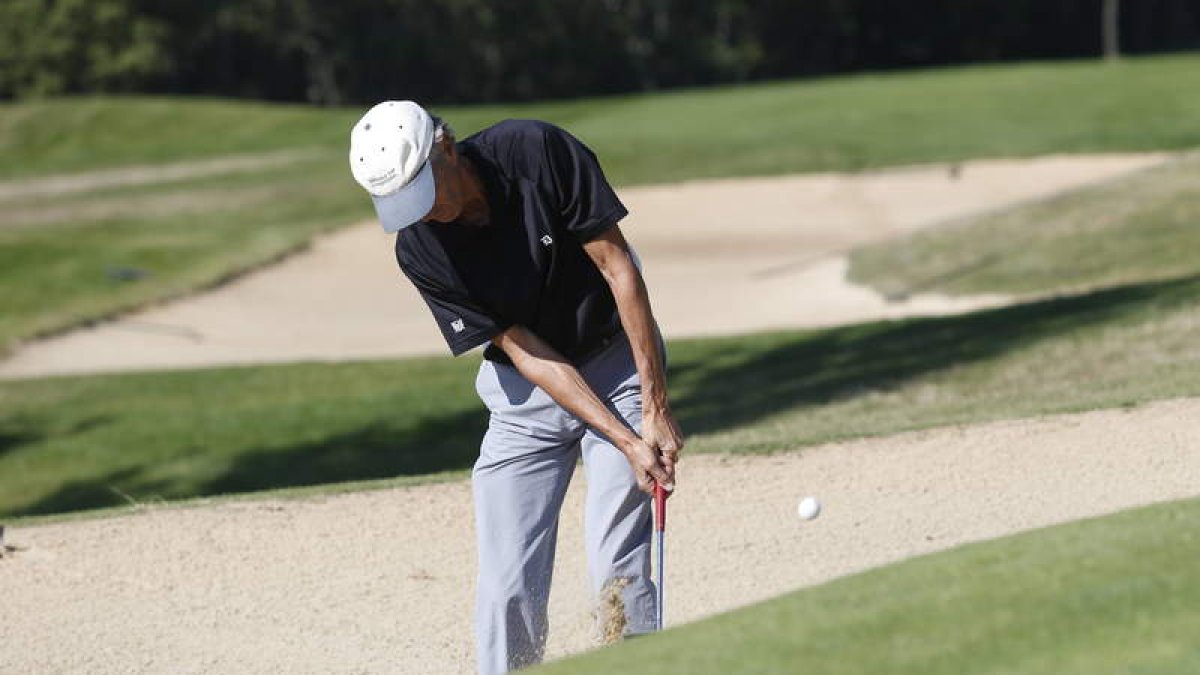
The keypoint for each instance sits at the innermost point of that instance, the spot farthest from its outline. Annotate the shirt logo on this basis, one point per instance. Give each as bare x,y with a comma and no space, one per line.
458,325
547,240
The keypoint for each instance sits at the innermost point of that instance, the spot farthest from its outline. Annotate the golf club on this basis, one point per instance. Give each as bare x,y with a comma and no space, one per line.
660,526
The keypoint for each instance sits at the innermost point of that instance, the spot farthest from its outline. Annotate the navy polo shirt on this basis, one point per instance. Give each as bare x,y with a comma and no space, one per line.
548,196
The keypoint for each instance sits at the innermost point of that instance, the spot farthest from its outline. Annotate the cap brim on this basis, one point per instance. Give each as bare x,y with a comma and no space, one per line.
409,204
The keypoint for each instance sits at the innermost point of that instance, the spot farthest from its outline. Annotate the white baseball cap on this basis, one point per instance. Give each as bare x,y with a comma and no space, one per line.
389,157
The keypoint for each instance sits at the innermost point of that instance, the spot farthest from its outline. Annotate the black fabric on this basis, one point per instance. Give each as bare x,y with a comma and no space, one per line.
548,196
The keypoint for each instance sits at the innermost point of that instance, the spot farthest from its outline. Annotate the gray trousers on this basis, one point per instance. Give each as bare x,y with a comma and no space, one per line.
525,464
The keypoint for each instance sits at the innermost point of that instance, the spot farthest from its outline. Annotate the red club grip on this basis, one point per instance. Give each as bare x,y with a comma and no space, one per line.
660,507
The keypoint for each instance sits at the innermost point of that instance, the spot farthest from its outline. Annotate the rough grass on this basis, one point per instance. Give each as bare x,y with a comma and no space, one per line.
85,442
1109,595
69,259
1144,226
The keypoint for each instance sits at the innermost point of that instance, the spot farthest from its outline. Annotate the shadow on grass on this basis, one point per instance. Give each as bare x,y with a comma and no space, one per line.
717,385
14,439
430,445
722,384
433,445
16,434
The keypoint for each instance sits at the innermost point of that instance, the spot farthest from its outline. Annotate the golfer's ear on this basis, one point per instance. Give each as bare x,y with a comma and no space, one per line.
446,141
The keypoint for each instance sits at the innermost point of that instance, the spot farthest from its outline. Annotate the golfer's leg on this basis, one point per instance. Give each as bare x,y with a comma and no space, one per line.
525,464
618,523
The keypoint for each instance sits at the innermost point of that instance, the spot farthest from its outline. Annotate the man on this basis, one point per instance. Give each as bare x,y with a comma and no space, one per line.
511,237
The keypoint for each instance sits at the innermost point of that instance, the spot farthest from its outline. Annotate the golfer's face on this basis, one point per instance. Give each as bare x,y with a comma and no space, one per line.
448,204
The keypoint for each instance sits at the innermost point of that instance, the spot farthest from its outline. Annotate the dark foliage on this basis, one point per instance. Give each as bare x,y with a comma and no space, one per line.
480,50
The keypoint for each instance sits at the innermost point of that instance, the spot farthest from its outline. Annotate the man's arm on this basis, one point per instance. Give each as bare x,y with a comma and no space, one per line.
539,363
611,254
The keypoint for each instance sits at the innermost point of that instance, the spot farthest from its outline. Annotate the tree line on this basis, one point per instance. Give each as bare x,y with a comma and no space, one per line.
460,51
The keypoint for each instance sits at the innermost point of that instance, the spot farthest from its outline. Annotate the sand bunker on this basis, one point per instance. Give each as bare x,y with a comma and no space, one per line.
382,581
724,256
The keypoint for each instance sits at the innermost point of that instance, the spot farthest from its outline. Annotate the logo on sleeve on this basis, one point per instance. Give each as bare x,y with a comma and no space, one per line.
458,325
547,240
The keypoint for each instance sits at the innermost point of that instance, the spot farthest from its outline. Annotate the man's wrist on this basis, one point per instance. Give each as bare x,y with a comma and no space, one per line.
624,439
659,408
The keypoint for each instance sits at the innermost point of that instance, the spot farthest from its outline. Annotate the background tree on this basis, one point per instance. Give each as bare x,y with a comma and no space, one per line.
62,46
455,51
1112,39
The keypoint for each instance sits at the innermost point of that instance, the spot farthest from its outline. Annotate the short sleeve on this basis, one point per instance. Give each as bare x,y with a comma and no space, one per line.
586,202
464,324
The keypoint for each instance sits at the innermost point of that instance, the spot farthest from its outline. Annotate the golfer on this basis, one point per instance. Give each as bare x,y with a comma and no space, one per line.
511,237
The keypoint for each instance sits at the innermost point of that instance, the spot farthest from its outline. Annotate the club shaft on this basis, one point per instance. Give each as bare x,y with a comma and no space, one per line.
662,590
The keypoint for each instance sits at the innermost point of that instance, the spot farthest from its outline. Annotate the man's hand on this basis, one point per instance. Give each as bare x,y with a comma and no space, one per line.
648,466
546,368
662,434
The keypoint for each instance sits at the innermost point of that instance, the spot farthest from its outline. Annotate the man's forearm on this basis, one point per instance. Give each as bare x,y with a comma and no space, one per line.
615,260
633,306
539,363
543,366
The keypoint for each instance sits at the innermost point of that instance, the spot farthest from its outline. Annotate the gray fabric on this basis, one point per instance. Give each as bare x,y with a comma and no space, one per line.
525,464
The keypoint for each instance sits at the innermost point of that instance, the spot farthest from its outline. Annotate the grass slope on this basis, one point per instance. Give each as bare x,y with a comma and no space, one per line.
77,443
835,123
1144,226
88,133
1109,595
69,259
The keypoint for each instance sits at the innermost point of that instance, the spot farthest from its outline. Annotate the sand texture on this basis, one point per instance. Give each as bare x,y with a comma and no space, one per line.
382,581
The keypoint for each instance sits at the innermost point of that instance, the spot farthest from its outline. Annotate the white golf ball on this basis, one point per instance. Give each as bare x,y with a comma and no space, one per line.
809,508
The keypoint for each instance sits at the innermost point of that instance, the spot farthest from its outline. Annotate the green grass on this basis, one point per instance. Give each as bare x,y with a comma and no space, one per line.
62,258
1110,595
1141,227
836,123
85,442
88,133
70,269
